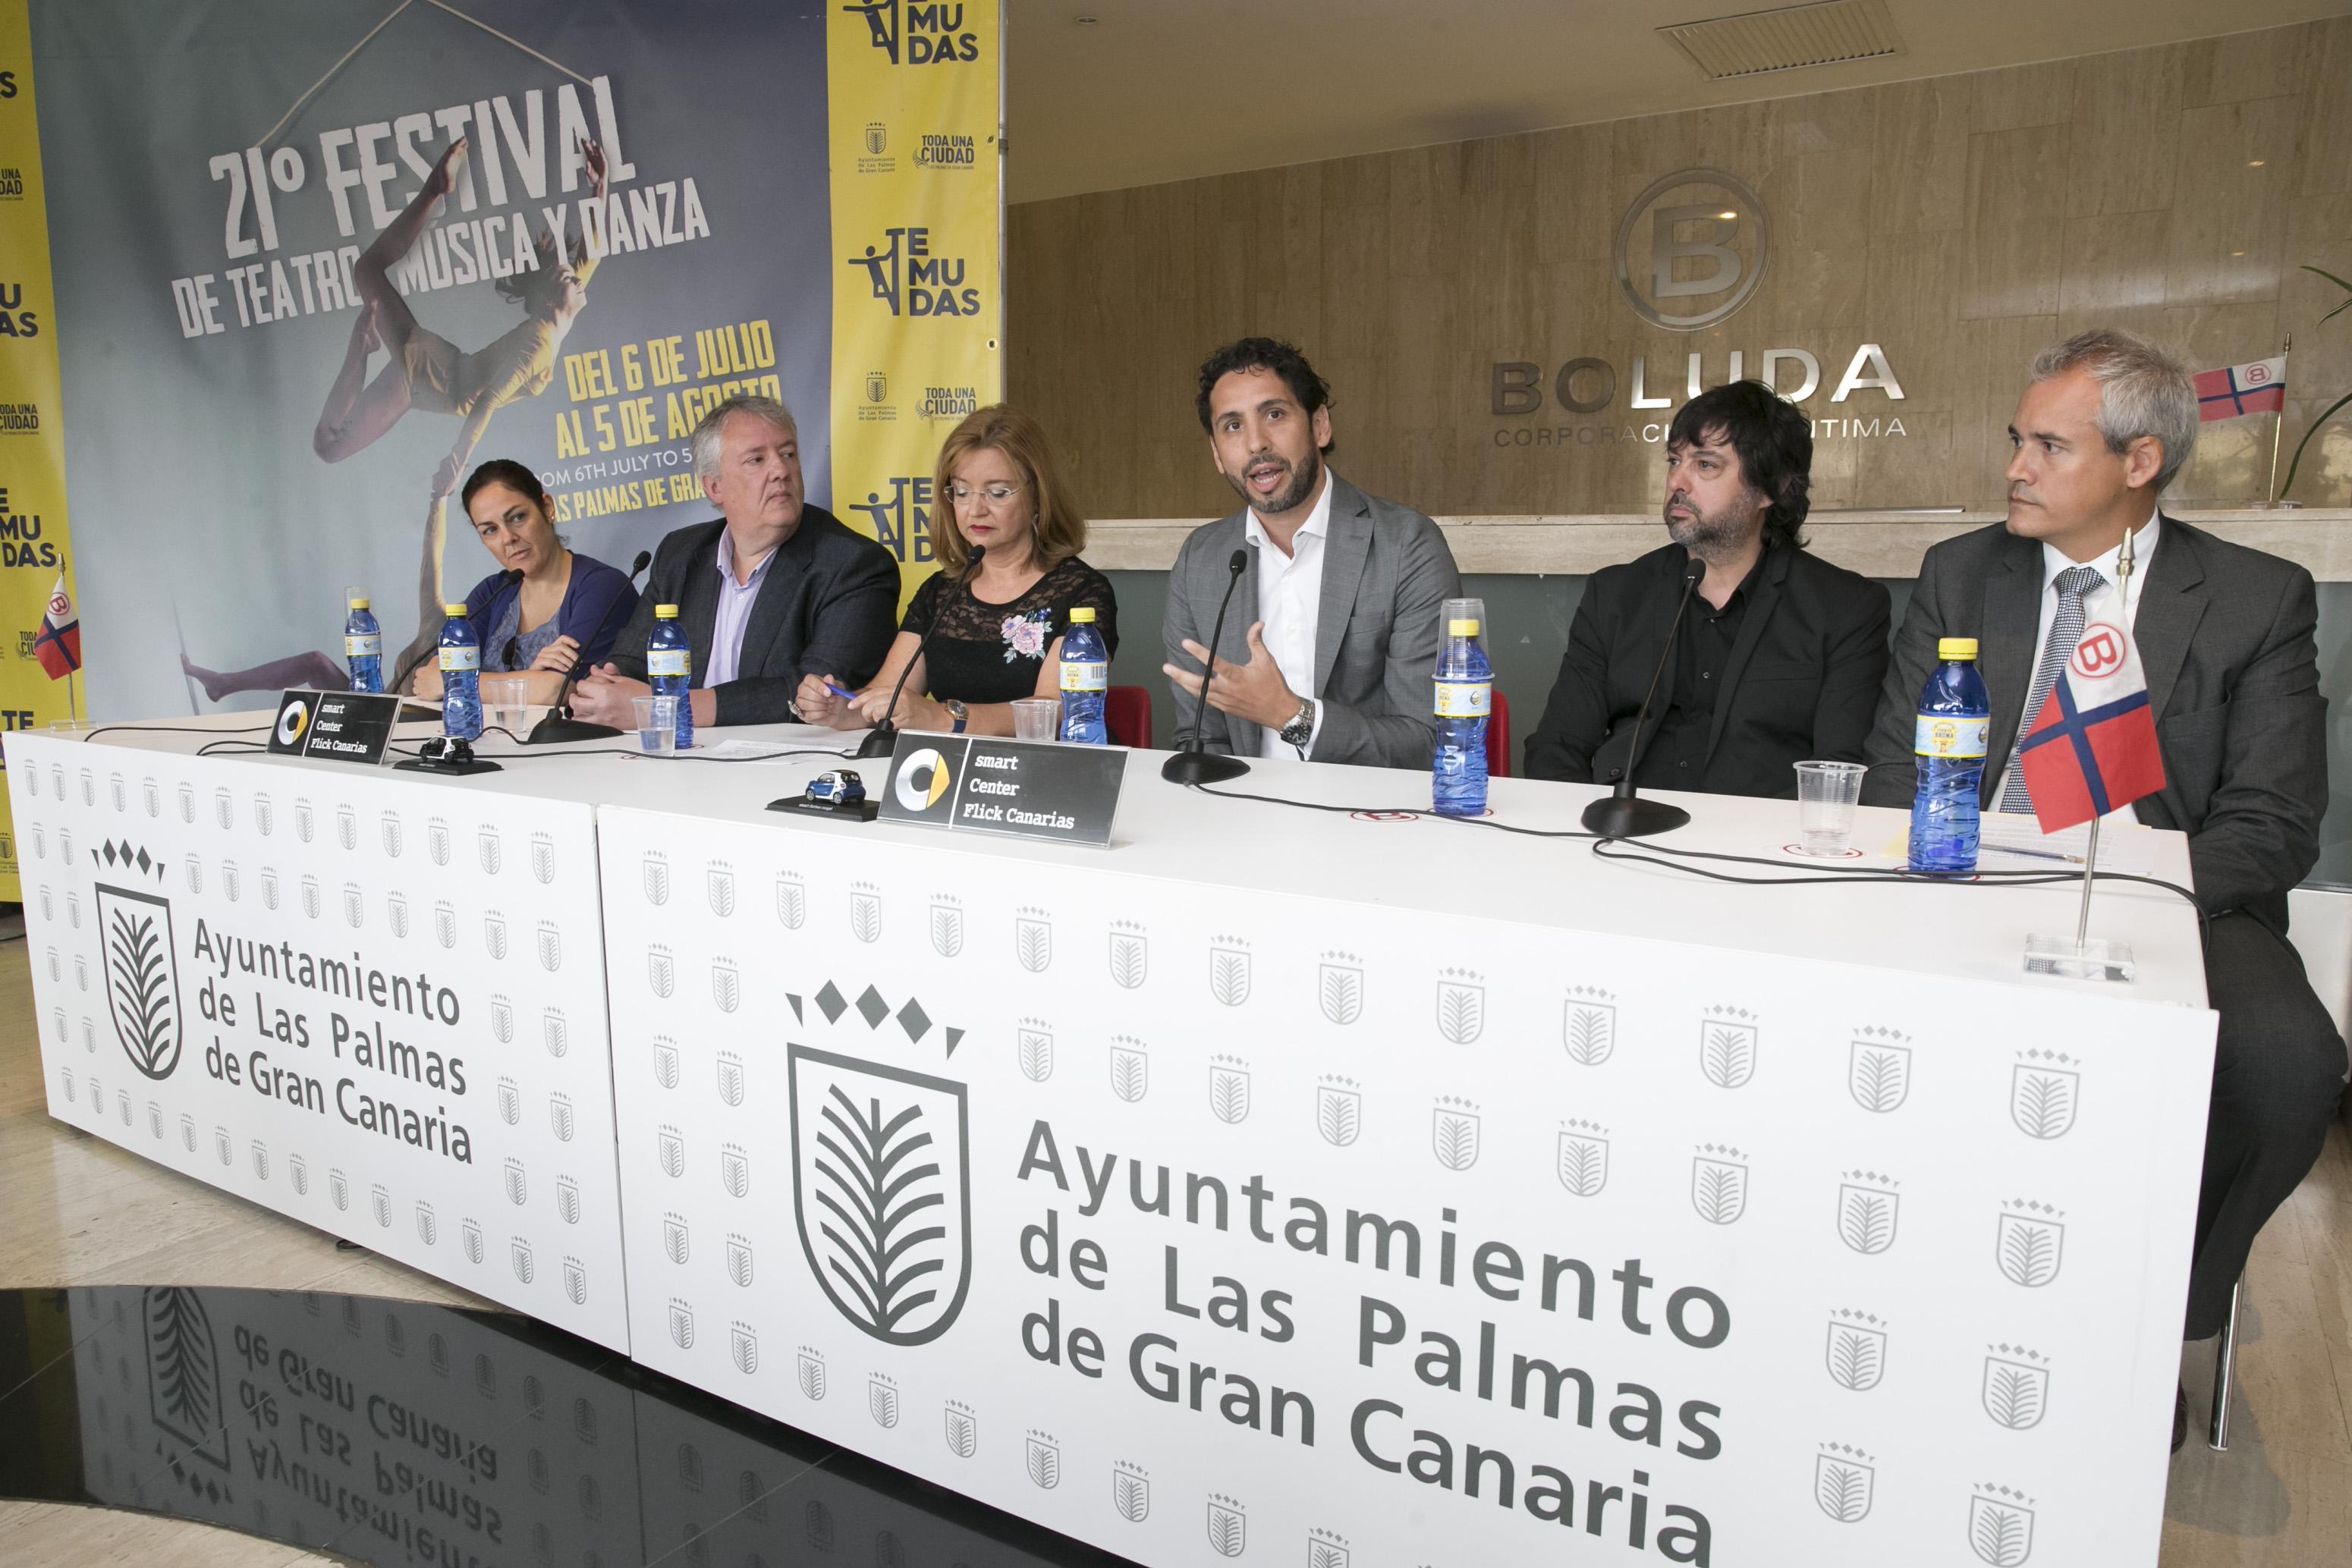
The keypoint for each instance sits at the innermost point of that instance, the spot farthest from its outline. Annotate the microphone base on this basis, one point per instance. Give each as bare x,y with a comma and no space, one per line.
1202,768
1632,816
880,742
557,730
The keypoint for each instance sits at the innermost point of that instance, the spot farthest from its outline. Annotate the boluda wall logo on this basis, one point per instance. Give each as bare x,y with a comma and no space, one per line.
905,273
918,34
1692,248
1223,1236
329,1007
1691,251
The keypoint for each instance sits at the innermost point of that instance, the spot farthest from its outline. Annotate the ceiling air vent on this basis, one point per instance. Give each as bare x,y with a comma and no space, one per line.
1788,39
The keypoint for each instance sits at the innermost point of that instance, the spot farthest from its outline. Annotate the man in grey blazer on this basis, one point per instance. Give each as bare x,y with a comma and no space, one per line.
1330,651
2226,637
773,591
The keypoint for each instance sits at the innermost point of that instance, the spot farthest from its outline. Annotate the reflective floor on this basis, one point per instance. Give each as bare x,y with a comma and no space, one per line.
359,1411
402,1433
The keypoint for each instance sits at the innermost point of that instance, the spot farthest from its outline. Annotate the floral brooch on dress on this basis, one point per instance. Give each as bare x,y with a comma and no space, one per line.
1025,636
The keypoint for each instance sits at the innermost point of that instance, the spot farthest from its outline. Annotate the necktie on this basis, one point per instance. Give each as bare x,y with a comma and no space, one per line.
2065,630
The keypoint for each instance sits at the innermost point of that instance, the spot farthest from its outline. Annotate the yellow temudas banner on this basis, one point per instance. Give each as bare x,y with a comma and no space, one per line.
34,563
917,313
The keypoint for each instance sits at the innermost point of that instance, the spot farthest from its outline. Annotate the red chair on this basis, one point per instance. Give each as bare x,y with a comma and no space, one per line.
1127,712
1498,737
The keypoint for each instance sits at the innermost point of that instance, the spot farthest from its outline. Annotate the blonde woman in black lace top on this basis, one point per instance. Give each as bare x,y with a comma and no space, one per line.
995,610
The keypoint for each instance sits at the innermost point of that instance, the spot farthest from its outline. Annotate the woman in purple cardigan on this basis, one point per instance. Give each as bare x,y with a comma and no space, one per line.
552,612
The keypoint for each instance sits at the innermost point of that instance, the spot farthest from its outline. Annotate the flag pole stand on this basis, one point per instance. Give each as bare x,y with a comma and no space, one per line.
2278,423
2084,957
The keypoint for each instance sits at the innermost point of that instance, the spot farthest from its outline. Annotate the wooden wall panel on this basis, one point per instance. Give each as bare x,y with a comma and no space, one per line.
1962,222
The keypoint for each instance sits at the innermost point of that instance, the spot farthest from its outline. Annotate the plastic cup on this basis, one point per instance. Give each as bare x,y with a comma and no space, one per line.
657,719
1826,794
508,703
1036,719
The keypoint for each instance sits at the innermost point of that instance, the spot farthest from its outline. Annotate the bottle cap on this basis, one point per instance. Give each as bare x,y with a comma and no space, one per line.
665,611
1084,615
358,603
455,608
1462,628
1955,648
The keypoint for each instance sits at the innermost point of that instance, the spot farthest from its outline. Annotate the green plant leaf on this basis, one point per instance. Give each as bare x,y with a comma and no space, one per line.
2330,276
2287,488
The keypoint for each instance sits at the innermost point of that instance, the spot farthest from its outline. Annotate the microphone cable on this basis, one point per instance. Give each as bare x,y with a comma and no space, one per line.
1396,812
1679,860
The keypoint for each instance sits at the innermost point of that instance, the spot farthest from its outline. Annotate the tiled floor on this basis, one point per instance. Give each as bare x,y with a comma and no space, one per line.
74,1211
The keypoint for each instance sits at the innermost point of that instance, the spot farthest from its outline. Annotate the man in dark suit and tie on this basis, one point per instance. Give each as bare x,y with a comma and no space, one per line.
1778,657
773,591
2226,637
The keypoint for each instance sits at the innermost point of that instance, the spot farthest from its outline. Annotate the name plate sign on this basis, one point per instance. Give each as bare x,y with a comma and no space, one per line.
980,784
334,726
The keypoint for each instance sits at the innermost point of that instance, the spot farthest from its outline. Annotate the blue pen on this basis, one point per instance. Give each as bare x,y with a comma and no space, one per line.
837,691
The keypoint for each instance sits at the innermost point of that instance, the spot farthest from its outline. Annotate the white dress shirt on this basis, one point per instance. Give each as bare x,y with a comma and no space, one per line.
2097,603
1290,601
734,612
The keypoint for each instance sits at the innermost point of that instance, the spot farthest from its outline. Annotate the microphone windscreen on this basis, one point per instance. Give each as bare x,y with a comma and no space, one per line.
1240,562
636,567
1693,571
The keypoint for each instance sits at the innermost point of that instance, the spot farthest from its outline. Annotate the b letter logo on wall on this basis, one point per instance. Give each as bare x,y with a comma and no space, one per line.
1692,249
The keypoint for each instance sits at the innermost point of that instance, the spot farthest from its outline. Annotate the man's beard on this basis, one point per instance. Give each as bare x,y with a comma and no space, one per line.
1289,499
1705,533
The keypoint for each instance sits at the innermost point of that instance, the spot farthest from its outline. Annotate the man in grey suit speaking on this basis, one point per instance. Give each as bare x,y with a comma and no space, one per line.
1333,653
2226,636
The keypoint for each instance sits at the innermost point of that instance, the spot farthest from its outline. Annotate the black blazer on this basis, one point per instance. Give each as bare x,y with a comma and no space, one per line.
828,604
1801,683
2227,636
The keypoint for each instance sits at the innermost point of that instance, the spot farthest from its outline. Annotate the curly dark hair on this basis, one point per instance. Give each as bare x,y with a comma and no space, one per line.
1775,444
1263,354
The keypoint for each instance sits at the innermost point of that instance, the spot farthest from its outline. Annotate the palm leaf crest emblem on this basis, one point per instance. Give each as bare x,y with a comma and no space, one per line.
142,981
883,1193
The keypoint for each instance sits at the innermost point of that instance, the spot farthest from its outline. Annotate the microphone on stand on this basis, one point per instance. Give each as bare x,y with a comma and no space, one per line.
558,727
1195,766
1622,814
637,568
883,739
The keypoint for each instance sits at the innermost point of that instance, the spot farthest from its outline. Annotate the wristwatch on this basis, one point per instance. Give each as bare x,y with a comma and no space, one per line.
956,710
1301,729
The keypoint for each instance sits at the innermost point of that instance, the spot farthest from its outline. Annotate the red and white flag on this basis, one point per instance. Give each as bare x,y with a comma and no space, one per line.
59,644
2233,390
2093,748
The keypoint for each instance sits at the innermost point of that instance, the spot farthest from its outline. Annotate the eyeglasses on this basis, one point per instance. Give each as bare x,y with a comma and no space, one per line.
510,656
996,494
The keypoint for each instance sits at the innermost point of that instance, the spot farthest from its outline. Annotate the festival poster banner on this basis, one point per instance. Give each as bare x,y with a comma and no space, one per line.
295,317
917,190
40,639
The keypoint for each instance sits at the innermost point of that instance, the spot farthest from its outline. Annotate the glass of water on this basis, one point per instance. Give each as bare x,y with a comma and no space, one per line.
506,702
1827,793
1036,719
657,719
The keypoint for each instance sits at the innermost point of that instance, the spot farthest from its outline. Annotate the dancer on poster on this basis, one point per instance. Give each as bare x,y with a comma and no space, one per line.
429,373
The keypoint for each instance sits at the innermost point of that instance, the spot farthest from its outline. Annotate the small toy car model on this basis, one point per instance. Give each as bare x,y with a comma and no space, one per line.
837,787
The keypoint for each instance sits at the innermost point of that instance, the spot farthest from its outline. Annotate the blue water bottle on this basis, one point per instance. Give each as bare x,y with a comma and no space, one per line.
669,669
461,677
363,645
1086,677
1955,713
1466,696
